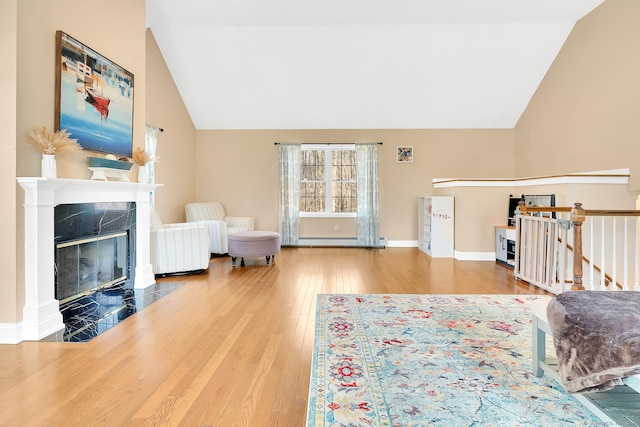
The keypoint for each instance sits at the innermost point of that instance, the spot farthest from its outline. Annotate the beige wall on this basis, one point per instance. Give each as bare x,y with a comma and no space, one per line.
27,80
477,211
583,117
117,35
592,196
8,71
585,114
240,169
176,145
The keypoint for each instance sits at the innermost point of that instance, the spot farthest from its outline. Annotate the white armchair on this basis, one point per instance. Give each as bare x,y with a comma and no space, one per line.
220,225
178,248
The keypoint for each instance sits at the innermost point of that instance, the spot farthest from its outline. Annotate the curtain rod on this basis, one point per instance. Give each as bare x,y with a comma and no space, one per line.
155,127
328,143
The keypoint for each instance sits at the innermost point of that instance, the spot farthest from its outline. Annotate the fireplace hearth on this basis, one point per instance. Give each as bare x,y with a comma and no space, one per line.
92,314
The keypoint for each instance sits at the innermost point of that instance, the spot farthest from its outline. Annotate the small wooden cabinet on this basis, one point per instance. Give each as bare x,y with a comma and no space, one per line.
435,226
506,245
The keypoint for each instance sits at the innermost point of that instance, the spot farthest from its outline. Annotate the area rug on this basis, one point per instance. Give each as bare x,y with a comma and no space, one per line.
431,360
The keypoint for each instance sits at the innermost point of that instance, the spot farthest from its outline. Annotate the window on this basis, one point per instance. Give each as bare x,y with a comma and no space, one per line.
328,180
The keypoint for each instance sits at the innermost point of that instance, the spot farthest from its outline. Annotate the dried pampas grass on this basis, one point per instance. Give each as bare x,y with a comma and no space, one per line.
48,142
141,157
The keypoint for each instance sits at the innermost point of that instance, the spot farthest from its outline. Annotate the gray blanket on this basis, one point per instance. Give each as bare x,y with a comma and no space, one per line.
597,338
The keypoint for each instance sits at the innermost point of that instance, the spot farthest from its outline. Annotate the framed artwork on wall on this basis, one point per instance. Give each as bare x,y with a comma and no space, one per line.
93,99
404,154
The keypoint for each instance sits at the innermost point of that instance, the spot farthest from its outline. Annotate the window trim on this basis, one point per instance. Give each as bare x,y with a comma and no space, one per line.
328,147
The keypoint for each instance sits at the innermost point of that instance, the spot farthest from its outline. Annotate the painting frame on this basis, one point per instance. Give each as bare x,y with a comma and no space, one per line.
94,98
404,154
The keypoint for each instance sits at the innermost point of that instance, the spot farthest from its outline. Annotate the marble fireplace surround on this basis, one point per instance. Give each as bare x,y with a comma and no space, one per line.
41,315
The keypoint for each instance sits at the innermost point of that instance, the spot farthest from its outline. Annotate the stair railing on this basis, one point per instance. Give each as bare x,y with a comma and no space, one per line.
605,243
542,236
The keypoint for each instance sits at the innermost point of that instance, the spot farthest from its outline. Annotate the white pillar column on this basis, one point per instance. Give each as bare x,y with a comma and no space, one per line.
41,313
144,275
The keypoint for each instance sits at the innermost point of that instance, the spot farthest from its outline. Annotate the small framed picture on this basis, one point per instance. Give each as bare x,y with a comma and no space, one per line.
404,155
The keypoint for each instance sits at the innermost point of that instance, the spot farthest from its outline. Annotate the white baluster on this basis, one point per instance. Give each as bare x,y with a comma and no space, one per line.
591,255
614,255
625,261
637,256
602,271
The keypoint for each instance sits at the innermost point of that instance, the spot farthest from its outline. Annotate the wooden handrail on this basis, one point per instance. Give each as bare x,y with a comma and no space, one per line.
586,212
535,209
595,212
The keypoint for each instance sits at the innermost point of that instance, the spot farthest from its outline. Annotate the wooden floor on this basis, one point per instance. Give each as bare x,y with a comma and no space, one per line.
229,348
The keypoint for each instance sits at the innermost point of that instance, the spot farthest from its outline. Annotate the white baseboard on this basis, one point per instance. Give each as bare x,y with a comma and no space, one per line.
10,333
352,241
403,244
474,256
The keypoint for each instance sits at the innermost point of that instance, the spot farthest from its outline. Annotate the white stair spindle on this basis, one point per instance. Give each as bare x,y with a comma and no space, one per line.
637,256
591,254
602,269
614,255
625,261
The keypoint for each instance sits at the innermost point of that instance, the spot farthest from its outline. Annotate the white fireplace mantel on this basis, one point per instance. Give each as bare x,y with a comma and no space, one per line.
41,313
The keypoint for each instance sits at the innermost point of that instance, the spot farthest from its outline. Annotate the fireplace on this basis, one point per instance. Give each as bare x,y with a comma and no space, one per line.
86,265
94,243
44,245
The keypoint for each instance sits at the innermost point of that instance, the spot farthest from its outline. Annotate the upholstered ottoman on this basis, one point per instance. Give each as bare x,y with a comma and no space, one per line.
253,244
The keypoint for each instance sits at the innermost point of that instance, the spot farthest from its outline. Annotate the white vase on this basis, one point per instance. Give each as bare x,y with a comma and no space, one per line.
49,166
142,175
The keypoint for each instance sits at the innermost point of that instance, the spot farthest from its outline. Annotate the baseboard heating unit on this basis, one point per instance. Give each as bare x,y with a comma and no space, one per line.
346,242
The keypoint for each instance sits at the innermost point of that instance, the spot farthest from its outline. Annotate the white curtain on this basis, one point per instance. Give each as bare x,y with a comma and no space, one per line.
368,224
290,170
150,145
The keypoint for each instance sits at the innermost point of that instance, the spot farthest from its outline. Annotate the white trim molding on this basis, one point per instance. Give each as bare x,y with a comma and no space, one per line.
10,333
474,256
616,176
403,244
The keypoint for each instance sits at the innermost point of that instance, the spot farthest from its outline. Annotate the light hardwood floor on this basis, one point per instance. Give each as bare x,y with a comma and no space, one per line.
229,348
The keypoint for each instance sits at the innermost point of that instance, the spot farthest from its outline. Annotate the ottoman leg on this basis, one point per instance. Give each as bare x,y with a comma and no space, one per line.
242,262
268,259
233,261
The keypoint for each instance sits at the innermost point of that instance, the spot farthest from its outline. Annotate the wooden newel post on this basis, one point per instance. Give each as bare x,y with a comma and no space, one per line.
577,218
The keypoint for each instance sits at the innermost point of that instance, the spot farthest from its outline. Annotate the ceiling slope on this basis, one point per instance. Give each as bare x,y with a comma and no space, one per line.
284,64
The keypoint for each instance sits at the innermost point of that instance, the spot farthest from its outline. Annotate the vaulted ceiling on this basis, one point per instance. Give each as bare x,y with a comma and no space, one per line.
356,64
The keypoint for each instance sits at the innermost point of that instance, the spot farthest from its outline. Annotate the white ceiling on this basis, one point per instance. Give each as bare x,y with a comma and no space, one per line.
355,64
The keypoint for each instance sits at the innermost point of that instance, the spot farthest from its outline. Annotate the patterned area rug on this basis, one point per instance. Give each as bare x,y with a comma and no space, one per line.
431,360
